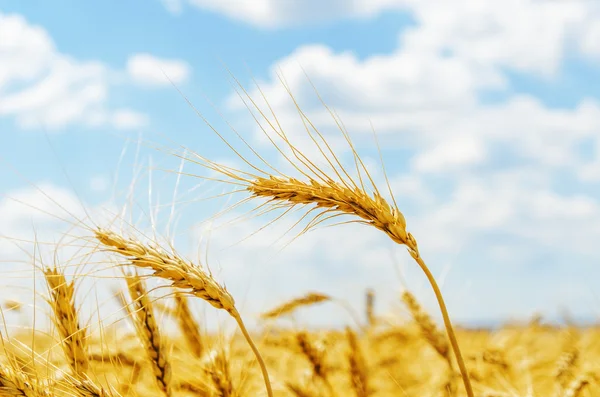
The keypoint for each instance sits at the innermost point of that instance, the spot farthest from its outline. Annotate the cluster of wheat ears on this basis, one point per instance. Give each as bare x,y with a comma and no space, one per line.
380,358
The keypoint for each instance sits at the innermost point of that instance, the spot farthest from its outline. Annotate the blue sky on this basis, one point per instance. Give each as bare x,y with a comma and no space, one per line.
488,115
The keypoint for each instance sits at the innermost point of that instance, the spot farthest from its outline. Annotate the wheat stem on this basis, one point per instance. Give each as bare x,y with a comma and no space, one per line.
259,358
447,323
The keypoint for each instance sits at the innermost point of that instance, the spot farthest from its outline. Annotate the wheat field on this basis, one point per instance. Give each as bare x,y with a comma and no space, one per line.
378,356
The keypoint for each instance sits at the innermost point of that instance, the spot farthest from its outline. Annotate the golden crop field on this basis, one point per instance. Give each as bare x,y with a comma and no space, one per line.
378,356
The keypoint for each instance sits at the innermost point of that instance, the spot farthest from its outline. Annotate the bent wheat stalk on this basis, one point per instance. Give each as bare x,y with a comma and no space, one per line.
334,194
184,275
373,210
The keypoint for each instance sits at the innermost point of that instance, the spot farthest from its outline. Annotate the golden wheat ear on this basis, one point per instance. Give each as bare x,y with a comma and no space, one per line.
66,320
359,374
183,275
188,325
329,193
429,330
309,299
142,313
316,357
17,383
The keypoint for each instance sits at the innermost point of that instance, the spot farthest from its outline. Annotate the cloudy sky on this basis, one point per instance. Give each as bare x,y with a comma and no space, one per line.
488,114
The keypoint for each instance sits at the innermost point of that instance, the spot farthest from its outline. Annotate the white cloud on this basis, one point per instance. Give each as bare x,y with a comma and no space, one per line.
128,119
528,36
99,183
149,70
173,6
455,151
492,182
25,50
21,206
41,87
437,113
274,13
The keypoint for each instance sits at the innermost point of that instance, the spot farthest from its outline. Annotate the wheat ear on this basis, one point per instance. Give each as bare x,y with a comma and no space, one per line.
288,307
326,193
427,327
373,210
184,275
358,366
17,383
576,387
73,336
147,329
218,371
189,326
316,357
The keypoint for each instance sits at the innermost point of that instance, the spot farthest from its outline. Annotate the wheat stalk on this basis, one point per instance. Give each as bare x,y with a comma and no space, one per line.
184,275
373,210
370,307
339,198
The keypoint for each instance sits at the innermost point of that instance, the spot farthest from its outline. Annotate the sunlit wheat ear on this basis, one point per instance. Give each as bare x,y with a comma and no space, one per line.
577,386
188,325
290,306
148,332
316,357
329,190
429,330
217,369
66,320
358,366
87,388
567,363
16,383
182,274
179,272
